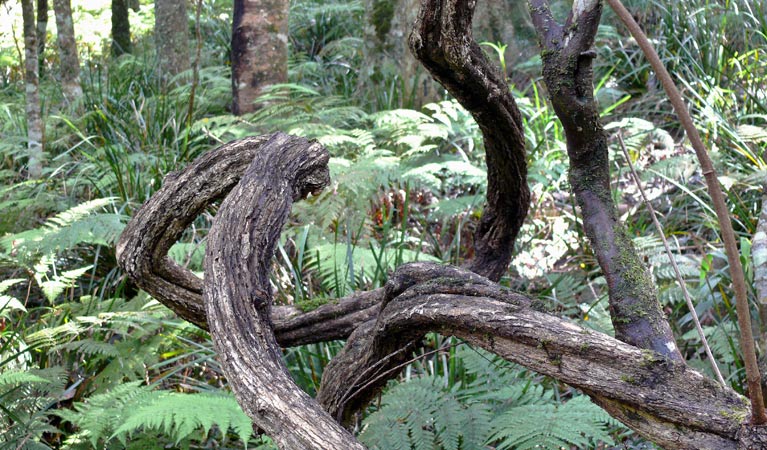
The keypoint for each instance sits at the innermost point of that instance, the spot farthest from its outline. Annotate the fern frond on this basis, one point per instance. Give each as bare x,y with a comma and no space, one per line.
179,415
419,415
577,423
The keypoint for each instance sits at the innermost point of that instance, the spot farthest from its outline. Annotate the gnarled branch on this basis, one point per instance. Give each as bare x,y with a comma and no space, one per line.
238,296
641,381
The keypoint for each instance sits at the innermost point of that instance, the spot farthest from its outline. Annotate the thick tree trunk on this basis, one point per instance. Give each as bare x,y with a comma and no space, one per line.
121,41
31,80
172,37
42,33
259,50
70,63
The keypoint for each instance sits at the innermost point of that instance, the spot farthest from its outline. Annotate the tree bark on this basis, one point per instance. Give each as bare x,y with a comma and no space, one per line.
70,63
172,38
31,80
121,41
238,298
42,34
442,41
259,50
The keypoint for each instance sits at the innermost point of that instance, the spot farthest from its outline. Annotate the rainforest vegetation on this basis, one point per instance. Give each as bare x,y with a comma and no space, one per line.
483,270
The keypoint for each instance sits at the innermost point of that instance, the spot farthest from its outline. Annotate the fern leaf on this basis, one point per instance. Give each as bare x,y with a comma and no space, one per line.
179,415
576,423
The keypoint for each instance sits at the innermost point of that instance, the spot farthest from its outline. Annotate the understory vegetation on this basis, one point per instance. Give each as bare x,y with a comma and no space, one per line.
89,361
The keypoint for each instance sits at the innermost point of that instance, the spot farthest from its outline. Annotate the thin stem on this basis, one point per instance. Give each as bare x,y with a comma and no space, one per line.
758,416
671,258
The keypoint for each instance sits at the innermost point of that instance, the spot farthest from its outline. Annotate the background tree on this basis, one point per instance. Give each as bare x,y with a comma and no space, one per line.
31,80
70,63
259,50
388,61
42,32
172,37
121,38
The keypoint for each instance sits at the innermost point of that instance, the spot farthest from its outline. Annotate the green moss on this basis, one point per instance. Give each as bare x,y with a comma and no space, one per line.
736,415
311,305
628,379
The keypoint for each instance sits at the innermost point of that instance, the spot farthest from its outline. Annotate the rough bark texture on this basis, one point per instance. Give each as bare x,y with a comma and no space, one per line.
32,88
567,57
259,50
172,37
70,63
121,42
442,41
142,250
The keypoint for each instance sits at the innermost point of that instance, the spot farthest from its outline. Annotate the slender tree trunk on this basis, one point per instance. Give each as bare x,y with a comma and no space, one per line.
259,50
70,64
120,28
172,37
42,32
34,115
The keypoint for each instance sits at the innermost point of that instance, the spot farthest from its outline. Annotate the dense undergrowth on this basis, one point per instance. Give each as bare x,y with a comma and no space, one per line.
87,361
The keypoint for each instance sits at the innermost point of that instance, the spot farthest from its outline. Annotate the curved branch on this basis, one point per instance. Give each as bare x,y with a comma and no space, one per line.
238,295
442,41
567,56
142,250
663,400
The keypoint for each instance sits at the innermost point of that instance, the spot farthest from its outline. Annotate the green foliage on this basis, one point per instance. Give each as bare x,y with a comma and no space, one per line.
577,422
131,409
26,397
420,415
77,225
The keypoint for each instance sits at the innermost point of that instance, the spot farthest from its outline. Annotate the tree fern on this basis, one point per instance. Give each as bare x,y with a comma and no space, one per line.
77,225
25,398
179,415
